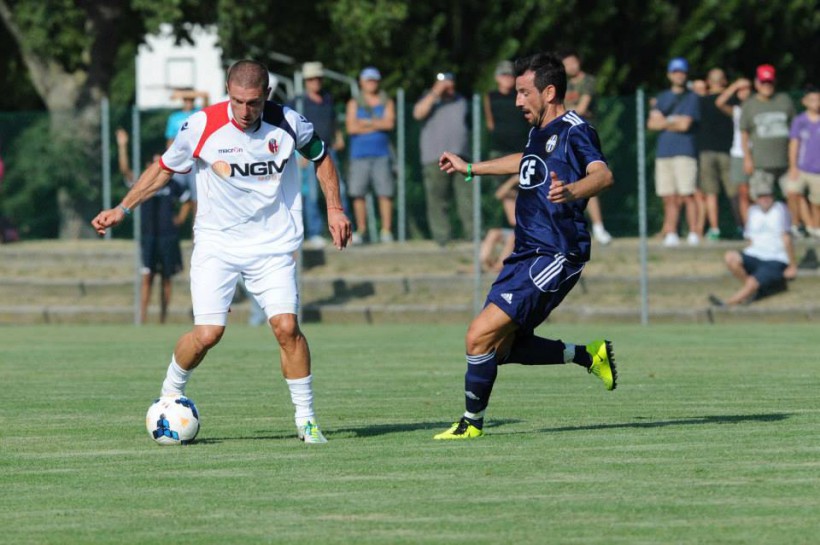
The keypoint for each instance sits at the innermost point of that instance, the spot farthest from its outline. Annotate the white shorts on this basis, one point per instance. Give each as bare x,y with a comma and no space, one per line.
215,270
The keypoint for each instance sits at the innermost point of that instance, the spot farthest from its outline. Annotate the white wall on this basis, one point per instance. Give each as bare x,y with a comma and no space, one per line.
163,66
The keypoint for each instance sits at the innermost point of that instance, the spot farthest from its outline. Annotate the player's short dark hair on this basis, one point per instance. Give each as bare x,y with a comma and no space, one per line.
248,73
568,52
548,69
810,88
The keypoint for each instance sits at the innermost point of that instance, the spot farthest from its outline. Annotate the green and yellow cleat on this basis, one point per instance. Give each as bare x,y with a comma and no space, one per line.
460,430
309,432
603,363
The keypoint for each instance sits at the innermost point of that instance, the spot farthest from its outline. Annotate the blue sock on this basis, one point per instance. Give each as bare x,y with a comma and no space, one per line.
478,382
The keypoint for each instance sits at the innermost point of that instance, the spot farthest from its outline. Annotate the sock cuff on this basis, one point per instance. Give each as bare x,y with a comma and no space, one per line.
296,381
479,359
177,368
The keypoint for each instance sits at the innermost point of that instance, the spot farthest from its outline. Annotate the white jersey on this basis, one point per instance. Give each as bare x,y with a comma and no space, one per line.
248,187
766,230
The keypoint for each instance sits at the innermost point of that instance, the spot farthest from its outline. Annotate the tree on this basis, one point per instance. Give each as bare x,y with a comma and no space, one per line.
69,49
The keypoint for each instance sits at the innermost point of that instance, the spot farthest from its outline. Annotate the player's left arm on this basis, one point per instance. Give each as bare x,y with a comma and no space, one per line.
337,221
598,178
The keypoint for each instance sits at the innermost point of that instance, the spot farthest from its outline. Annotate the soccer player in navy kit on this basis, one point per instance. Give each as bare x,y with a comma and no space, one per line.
561,167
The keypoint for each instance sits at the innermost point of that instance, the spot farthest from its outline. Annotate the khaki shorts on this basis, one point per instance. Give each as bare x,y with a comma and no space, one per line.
764,180
806,181
737,173
714,173
675,176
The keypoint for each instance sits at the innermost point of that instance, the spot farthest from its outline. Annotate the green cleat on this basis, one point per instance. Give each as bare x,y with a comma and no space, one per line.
603,363
460,430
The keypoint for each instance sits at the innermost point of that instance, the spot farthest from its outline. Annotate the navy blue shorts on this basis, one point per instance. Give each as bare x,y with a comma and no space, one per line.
769,274
529,288
161,254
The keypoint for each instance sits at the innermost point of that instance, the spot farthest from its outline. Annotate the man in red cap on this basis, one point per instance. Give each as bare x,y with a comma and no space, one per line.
764,125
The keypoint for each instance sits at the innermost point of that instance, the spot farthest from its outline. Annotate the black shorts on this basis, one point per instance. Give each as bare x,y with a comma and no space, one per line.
161,254
769,274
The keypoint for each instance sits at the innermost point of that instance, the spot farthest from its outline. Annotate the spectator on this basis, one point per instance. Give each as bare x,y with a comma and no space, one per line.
318,106
369,118
176,120
443,112
764,266
499,242
764,126
159,234
804,158
729,102
714,143
675,114
581,98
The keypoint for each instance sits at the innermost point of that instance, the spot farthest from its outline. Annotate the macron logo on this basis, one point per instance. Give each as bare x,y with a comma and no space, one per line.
507,297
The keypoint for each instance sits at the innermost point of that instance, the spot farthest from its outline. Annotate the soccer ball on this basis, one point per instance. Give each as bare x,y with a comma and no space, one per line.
172,420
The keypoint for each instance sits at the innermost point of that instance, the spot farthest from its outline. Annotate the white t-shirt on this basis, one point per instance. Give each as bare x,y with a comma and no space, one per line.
737,147
766,230
248,186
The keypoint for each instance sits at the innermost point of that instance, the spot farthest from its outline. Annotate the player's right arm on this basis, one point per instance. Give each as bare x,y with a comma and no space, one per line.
450,162
151,181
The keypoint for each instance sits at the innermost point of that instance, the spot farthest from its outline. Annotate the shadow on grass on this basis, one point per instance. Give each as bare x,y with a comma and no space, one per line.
384,429
644,422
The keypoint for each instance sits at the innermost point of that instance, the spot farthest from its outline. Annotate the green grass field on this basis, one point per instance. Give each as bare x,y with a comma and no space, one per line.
712,437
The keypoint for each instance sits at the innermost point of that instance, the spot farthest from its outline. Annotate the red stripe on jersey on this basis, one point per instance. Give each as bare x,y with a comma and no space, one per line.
164,167
217,117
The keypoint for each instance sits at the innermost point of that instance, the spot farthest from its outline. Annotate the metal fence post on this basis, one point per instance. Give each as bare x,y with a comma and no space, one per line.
639,122
477,293
137,225
105,139
401,172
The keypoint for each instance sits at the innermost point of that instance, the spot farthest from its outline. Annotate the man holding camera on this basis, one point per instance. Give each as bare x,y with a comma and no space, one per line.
443,112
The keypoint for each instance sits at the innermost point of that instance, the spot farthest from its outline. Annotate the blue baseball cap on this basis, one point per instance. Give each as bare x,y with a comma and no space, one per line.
371,72
678,64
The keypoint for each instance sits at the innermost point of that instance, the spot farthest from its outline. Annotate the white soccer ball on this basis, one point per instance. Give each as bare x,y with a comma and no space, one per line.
172,420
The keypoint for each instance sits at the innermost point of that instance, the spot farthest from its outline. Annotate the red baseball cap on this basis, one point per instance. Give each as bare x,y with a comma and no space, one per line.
765,72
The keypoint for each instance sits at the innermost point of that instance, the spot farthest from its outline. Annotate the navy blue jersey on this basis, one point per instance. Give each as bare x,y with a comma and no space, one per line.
159,211
566,146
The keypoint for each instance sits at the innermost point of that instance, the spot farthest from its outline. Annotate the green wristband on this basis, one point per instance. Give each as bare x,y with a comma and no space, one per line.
469,177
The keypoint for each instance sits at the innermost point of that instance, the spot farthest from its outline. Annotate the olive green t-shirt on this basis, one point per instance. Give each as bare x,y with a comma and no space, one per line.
577,89
767,122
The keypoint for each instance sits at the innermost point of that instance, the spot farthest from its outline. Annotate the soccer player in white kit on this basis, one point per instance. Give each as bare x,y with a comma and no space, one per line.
248,223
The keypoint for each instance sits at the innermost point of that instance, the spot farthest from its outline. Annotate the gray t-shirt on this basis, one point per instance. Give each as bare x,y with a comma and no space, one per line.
767,122
445,129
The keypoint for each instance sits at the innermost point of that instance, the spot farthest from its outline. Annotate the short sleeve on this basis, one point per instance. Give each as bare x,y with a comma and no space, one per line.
585,147
691,106
308,143
180,156
794,131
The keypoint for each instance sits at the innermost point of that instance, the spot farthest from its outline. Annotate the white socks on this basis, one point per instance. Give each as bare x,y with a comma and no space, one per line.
175,379
301,393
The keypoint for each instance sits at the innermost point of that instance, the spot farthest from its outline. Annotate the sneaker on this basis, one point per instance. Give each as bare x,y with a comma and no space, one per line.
386,237
460,430
716,301
813,231
601,234
670,240
797,232
316,242
356,239
603,363
310,433
713,234
692,239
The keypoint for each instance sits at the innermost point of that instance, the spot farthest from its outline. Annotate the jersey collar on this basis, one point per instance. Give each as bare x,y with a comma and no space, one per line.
255,127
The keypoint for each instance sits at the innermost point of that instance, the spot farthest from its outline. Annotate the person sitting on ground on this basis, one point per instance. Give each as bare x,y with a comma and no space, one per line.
764,266
492,257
